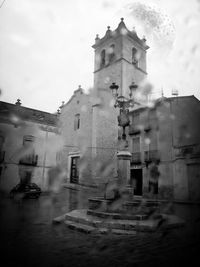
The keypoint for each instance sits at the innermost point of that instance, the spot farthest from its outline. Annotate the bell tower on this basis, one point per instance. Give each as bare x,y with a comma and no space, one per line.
120,57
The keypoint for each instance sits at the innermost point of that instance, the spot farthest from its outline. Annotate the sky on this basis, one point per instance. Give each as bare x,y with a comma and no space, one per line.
46,53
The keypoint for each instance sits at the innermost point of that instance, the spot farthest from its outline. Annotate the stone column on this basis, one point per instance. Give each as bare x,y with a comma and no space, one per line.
124,158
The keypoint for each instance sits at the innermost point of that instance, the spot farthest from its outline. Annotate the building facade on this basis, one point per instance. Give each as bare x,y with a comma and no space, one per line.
165,146
28,145
164,140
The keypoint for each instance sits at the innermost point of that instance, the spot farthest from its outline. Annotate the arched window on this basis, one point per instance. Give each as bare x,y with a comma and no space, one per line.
111,53
103,58
134,56
77,122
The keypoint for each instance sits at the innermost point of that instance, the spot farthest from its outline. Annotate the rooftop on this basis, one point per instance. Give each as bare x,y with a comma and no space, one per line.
8,110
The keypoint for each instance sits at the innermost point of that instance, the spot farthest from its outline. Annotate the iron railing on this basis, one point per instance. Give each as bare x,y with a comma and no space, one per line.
136,157
151,155
185,151
134,129
30,160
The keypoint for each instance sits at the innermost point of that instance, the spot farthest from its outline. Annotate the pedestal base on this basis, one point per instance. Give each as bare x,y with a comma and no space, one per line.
127,192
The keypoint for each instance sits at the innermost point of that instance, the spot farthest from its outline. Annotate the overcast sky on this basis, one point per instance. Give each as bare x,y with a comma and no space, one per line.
45,45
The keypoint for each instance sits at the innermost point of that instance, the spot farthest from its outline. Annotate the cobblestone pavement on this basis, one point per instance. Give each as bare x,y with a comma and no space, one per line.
28,238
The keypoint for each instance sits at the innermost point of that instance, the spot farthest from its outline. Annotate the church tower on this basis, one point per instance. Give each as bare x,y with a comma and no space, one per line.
120,57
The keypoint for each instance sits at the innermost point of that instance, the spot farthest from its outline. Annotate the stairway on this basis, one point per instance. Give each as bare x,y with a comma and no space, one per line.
90,221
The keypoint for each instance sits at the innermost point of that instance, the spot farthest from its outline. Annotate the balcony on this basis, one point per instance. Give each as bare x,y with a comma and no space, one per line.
147,128
152,155
185,151
134,129
2,156
136,158
30,160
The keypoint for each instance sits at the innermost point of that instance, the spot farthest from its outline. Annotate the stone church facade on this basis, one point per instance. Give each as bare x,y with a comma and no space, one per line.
89,153
157,136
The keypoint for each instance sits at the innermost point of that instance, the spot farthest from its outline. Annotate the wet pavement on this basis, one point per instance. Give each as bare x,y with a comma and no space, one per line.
28,237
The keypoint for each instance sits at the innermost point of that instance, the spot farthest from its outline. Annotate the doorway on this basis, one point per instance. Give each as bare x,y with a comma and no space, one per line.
193,172
136,181
74,177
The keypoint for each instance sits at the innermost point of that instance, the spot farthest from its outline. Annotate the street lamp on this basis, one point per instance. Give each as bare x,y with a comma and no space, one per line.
124,156
123,103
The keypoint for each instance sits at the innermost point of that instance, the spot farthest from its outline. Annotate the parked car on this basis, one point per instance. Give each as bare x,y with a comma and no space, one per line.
30,190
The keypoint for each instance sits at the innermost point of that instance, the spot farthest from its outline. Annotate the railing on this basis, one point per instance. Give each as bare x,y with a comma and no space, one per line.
136,157
134,129
151,155
147,128
190,150
2,156
30,160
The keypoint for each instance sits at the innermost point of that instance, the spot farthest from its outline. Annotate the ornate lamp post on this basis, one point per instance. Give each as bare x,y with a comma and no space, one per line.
124,156
123,104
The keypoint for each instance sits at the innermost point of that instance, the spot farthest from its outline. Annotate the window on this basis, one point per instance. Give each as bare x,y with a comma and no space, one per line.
136,144
153,134
77,122
134,56
153,139
28,140
136,118
29,157
111,51
153,181
103,58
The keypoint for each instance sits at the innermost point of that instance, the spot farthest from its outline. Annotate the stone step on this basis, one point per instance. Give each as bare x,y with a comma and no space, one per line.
112,215
148,203
79,226
87,223
131,206
123,232
89,229
117,227
81,217
59,219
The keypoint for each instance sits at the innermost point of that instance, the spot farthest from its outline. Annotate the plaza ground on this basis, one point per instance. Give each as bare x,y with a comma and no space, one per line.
28,237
